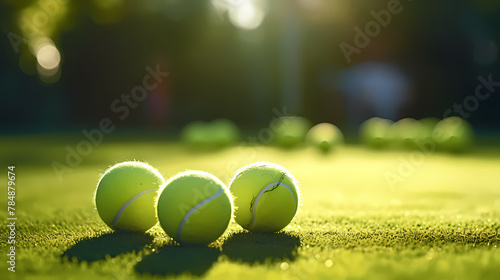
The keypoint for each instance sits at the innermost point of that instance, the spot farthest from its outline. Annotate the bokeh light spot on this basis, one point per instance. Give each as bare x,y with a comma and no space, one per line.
48,57
284,265
247,15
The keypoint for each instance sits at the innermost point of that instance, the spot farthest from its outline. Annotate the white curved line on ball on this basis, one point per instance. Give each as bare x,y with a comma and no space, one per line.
264,189
120,212
190,212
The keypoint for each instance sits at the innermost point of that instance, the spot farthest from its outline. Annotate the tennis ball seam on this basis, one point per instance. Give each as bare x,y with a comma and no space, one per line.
126,204
252,203
192,210
265,189
261,165
116,216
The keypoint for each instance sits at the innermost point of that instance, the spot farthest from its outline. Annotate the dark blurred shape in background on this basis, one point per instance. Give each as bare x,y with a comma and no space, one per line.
373,89
65,65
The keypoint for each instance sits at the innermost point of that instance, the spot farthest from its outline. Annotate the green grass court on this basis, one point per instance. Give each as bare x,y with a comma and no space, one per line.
442,221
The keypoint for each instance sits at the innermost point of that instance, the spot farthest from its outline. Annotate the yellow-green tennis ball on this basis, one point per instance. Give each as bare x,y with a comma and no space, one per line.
126,194
194,208
290,132
224,132
453,134
266,197
195,134
325,136
374,132
405,132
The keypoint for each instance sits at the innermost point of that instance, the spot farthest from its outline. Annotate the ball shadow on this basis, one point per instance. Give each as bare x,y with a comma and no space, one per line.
175,260
112,244
261,247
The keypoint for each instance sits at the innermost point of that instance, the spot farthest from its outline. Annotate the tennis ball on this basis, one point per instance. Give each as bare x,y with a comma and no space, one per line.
453,134
290,132
374,132
325,136
194,207
428,125
210,135
266,197
125,196
405,133
225,132
195,134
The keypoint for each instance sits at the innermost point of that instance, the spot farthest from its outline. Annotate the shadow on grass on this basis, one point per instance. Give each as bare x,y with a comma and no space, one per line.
174,260
112,244
261,247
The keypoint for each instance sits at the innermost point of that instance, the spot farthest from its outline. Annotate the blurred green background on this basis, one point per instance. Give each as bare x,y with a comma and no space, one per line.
63,63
